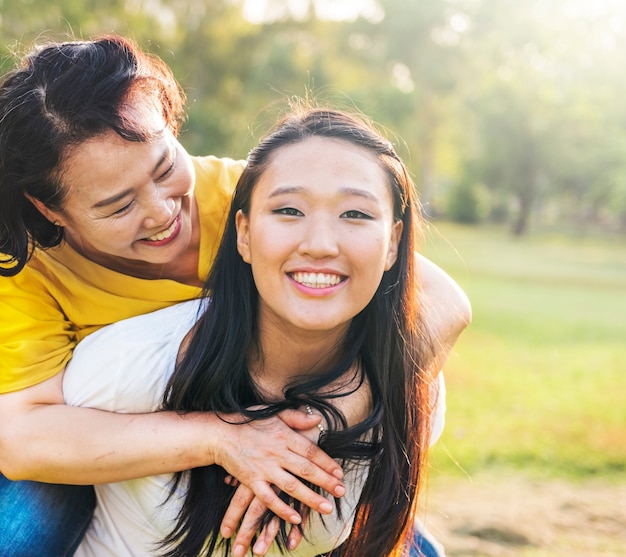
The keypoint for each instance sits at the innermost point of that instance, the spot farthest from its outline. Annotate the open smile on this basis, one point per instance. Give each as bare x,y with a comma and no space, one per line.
317,280
166,234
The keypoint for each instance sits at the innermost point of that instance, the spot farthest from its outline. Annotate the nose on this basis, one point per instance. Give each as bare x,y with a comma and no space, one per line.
319,238
159,211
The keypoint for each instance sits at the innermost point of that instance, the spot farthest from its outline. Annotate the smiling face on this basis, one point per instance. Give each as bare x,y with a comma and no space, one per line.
319,234
128,203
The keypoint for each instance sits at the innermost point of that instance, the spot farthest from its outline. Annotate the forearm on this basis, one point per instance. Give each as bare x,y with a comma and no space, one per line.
43,439
63,444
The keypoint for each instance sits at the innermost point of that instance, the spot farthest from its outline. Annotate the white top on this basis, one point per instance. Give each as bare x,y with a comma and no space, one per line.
124,368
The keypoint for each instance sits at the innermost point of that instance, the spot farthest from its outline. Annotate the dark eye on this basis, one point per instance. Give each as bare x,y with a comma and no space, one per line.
289,211
355,215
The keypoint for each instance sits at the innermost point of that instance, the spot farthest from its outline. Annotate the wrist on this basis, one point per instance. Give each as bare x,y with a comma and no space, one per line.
204,434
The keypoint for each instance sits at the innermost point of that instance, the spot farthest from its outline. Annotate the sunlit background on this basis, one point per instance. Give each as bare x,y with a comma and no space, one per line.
511,116
507,111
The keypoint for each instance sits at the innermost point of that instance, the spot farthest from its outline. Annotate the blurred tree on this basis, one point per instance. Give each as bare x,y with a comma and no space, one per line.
414,66
546,100
526,99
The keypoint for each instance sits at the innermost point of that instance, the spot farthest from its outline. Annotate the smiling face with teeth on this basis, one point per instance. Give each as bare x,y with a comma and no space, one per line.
129,204
319,235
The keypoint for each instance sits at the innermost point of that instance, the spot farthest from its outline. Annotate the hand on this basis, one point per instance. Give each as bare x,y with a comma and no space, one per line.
254,511
268,453
268,534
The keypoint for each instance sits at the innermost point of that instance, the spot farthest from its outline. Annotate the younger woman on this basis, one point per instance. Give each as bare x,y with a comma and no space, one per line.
315,303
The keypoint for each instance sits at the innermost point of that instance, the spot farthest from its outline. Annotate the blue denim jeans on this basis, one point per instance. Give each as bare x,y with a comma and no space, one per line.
43,520
424,544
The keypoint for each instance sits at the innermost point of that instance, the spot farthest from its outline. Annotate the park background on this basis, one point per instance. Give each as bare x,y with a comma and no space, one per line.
512,119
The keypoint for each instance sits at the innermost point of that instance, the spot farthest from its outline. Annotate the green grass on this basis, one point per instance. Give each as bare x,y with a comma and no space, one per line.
538,381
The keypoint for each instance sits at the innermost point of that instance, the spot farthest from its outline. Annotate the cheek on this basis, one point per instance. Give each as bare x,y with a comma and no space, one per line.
185,178
114,233
372,256
269,241
369,247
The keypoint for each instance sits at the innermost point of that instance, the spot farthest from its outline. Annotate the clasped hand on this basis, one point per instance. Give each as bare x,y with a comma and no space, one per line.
267,457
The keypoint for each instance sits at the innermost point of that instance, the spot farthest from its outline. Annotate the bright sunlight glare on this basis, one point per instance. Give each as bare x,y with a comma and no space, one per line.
262,11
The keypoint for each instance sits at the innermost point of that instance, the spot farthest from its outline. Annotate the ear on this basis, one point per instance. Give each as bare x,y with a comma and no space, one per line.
52,216
394,244
242,223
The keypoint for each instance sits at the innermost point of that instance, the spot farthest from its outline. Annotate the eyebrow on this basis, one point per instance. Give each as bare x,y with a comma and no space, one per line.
121,195
346,191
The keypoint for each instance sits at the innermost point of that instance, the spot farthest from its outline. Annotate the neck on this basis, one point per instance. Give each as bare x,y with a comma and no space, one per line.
286,355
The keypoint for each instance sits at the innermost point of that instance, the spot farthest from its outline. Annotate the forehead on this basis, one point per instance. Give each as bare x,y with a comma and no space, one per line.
101,158
317,162
331,149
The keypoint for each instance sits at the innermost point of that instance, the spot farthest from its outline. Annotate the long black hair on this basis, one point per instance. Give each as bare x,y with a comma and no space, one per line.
59,96
386,344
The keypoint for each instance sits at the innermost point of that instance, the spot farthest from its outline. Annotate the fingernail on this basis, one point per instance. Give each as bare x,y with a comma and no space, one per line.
338,474
239,550
295,519
326,507
340,491
226,532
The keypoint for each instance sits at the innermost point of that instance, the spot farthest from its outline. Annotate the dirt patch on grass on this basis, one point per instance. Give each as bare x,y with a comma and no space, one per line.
513,516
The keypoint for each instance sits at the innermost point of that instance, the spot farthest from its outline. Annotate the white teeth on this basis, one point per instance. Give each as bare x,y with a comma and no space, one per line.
164,234
316,280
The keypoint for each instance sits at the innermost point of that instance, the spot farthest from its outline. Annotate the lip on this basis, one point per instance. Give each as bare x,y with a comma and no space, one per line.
177,223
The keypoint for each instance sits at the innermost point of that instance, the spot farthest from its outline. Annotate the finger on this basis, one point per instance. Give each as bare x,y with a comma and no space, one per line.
296,533
302,466
299,419
238,505
267,536
294,538
309,450
231,481
293,487
269,499
249,526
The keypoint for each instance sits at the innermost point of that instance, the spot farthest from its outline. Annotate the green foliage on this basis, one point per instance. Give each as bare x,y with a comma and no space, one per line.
465,203
524,98
537,382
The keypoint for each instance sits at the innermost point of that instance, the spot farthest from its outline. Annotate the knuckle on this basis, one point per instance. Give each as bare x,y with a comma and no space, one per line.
307,470
250,524
264,500
290,485
311,451
240,499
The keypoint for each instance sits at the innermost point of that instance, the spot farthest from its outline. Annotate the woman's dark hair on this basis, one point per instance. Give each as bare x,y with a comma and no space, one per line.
61,95
386,341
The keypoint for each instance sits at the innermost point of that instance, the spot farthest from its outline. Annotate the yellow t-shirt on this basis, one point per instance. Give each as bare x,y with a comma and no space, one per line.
60,296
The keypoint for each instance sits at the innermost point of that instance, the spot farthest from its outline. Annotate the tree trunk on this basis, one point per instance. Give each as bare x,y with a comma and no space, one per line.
525,195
